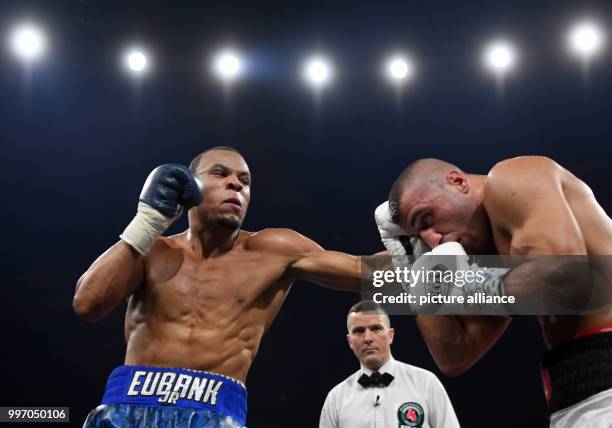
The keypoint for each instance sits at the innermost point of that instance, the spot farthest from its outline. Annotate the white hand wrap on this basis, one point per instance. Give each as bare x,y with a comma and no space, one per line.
492,285
146,227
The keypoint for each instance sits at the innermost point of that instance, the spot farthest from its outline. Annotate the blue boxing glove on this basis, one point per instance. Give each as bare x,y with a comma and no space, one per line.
171,187
168,190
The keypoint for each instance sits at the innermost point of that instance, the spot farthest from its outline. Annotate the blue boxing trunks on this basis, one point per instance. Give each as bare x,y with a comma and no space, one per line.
158,397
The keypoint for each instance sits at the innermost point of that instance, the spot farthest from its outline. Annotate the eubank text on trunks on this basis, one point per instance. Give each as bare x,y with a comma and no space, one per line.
170,387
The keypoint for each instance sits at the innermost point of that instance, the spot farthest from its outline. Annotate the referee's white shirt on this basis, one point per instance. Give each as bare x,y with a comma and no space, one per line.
415,398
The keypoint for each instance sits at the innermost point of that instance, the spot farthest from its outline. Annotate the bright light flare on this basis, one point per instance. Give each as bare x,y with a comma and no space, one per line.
500,57
585,39
28,42
136,61
399,69
228,65
318,71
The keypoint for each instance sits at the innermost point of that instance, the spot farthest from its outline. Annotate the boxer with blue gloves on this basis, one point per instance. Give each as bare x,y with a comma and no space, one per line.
199,301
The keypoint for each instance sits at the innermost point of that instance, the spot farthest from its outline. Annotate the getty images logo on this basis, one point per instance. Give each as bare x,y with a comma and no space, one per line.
170,387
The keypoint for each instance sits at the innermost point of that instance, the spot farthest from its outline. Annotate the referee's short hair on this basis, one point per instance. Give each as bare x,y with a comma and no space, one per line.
368,307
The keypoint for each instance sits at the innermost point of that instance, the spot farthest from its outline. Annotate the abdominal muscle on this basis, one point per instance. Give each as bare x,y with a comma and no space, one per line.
223,341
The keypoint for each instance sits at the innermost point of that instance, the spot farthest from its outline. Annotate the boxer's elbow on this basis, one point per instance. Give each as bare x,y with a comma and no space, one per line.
457,358
86,309
454,367
84,305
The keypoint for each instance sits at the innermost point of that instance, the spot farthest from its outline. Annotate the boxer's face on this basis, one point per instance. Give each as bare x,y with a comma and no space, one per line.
227,188
370,338
442,214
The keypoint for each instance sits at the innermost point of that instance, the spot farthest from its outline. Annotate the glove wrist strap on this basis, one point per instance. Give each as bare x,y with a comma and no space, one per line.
145,228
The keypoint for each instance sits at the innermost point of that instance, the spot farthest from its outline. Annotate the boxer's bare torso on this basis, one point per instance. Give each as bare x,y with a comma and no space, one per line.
208,314
533,207
564,195
203,299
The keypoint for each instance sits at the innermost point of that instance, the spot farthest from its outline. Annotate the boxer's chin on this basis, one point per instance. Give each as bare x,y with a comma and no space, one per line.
229,221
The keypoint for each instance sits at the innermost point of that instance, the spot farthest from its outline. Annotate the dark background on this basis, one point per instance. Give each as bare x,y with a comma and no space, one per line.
79,137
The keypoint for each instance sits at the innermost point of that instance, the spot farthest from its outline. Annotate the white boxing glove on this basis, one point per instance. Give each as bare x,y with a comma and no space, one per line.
448,258
390,232
431,273
394,239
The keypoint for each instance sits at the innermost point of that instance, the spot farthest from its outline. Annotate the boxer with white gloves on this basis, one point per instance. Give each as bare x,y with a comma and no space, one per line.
449,256
528,206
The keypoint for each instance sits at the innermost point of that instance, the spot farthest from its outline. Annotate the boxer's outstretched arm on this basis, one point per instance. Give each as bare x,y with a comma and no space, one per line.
113,277
329,268
307,260
456,343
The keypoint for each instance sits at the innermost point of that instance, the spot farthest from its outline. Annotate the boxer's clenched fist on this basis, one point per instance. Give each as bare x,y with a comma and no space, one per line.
168,190
390,232
170,187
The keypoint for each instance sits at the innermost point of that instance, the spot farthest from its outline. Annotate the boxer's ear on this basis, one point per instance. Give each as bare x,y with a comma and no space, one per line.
458,180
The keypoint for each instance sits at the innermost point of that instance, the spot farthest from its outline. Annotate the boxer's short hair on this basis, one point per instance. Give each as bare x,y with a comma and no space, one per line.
368,307
397,188
195,162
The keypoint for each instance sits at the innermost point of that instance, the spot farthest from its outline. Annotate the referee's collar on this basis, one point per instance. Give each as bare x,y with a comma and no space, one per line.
385,368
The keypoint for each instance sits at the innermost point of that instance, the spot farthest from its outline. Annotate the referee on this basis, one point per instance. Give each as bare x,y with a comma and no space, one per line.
384,392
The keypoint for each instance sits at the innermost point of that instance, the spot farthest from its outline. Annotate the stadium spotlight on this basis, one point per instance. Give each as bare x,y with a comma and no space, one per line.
28,42
227,65
500,57
585,39
399,69
317,71
136,61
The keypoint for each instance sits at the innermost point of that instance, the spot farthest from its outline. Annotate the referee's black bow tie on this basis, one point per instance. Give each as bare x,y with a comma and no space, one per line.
376,379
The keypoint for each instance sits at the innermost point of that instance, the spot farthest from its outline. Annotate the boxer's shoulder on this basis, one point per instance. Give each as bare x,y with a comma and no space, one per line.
279,240
518,177
165,258
521,168
164,244
516,189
